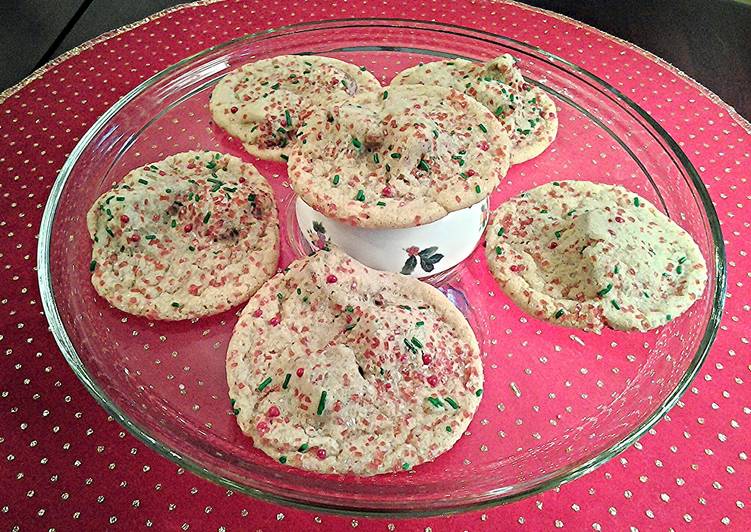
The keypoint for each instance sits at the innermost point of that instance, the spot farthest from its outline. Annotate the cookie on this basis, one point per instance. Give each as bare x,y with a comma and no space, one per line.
527,113
189,236
401,158
263,103
590,255
337,368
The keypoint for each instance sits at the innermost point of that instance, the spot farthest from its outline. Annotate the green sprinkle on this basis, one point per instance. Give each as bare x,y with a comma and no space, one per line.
283,459
559,314
381,204
569,213
173,223
349,308
154,167
646,295
264,383
275,86
302,448
335,181
464,175
109,231
207,217
498,250
483,128
498,111
681,260
419,324
385,94
435,134
232,402
405,307
449,429
422,165
669,317
176,304
417,343
556,184
435,402
280,296
281,130
363,69
616,269
453,403
478,189
322,403
543,211
410,347
405,466
120,198
501,231
557,234
150,237
615,304
211,165
143,181
344,84
679,269
396,155
376,159
236,411
360,195
388,167
92,266
478,392
356,143
191,248
284,158
305,299
605,290
287,118
636,201
287,377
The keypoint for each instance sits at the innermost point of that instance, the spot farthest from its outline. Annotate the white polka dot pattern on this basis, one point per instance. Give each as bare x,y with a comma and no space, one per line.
66,464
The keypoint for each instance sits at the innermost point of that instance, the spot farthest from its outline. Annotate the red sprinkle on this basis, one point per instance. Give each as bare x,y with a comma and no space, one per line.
321,454
471,172
276,320
273,412
433,381
331,278
233,109
619,219
262,427
483,146
553,245
427,359
135,237
300,371
387,191
514,268
188,228
124,218
258,313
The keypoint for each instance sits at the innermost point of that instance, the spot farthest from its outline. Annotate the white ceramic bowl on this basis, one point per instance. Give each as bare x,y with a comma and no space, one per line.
419,251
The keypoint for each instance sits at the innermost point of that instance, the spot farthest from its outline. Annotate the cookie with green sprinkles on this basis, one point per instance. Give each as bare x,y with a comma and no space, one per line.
263,103
405,157
353,370
192,235
589,255
526,112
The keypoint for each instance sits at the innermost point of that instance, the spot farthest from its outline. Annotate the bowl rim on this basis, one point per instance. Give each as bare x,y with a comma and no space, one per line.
492,497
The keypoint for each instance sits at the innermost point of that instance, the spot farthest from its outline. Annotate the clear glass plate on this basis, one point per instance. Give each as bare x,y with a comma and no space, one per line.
557,402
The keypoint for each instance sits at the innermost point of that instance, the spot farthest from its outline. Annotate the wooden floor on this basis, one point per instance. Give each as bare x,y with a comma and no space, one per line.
708,39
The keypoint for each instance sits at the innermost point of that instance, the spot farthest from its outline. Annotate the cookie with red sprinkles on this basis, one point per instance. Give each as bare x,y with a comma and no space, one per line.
188,236
263,103
590,255
403,157
337,368
527,113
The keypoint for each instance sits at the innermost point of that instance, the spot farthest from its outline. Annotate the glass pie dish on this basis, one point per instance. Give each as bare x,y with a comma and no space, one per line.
557,402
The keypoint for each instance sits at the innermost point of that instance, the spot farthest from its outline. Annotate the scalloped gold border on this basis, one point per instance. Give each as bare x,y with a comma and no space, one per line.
714,98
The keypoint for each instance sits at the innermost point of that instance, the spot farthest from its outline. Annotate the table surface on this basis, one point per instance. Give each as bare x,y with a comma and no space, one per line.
66,464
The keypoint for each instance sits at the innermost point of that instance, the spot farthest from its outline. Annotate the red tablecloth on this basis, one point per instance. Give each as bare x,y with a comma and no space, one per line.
66,465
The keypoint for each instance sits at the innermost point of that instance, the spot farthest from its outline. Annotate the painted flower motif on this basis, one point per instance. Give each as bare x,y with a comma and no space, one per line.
428,258
318,236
